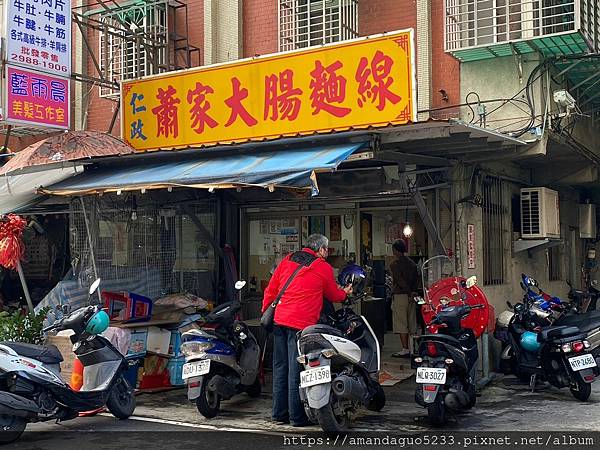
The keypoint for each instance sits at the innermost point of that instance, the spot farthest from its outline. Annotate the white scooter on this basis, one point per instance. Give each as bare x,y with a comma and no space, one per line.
341,362
31,389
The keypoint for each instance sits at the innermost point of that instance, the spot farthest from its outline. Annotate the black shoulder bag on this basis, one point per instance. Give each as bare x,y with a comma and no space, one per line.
303,259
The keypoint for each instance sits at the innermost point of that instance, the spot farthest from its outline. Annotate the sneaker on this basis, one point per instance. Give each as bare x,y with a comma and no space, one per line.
401,354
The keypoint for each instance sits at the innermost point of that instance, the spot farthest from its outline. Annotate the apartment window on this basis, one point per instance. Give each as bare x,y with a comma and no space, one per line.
472,23
133,44
554,266
306,23
494,231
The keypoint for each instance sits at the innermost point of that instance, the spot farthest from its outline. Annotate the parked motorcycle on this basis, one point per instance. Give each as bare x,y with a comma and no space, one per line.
447,357
550,310
560,355
341,362
31,389
222,359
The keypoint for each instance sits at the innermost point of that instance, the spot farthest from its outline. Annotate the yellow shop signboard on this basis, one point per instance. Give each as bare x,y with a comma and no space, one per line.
362,83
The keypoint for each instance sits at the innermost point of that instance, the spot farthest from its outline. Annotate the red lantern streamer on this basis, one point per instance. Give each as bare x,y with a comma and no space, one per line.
12,249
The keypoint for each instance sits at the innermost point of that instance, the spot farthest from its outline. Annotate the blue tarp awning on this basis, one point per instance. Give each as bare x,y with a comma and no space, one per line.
283,168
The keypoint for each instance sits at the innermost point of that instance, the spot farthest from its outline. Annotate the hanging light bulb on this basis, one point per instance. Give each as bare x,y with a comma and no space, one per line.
407,231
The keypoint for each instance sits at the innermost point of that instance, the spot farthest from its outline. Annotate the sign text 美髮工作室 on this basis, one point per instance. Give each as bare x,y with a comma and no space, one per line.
38,35
36,99
356,84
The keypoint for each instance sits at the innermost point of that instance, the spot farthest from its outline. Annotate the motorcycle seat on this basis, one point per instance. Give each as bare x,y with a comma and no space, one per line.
557,332
321,329
585,322
47,354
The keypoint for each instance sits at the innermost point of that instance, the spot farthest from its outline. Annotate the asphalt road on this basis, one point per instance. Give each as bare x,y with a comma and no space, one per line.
168,420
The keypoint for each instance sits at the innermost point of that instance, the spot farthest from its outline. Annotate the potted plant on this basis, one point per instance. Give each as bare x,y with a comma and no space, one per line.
20,327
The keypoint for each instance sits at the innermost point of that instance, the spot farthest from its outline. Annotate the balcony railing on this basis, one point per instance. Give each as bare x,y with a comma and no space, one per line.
483,26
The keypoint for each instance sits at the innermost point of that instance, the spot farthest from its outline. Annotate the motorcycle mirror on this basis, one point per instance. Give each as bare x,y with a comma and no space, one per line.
471,281
239,285
568,283
94,286
509,304
66,309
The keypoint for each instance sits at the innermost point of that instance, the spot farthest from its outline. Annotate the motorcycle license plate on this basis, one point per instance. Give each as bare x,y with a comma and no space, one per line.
318,375
582,362
431,375
195,369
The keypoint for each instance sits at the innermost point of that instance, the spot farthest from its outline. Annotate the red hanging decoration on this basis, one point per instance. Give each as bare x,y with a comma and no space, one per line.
12,249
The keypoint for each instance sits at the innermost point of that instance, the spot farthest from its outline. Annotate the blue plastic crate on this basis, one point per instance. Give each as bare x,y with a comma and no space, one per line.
175,343
175,368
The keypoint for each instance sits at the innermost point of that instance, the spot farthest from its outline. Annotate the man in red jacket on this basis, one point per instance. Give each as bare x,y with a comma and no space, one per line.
299,307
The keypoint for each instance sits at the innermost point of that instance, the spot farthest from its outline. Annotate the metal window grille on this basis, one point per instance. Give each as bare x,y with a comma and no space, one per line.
472,23
306,23
146,243
554,266
137,52
494,231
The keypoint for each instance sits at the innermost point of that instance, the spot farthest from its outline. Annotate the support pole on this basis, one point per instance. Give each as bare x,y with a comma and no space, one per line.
24,285
91,244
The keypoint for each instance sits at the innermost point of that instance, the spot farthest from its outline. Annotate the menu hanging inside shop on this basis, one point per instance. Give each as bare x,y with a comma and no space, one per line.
356,84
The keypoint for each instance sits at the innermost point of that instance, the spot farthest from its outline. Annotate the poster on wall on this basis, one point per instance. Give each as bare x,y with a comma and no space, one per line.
471,246
335,228
316,225
393,231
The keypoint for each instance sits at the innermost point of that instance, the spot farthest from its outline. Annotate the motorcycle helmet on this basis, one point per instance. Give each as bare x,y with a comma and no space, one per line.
529,342
98,323
355,275
504,319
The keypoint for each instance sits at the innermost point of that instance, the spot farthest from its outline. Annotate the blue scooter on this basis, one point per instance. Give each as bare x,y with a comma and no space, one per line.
222,359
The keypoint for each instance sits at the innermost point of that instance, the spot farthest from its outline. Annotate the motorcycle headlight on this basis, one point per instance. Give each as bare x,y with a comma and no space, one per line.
193,348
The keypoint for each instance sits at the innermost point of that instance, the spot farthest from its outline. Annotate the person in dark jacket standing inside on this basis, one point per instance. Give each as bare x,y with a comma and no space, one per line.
404,309
299,307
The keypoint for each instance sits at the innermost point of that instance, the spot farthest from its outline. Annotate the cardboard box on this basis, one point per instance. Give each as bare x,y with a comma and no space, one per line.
158,340
65,347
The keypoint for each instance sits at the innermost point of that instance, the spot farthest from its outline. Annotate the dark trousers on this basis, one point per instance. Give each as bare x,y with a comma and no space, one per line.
286,377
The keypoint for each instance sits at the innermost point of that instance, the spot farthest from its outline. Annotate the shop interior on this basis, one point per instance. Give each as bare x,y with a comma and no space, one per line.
359,232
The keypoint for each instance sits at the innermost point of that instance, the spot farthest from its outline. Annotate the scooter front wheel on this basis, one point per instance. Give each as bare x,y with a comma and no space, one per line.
121,402
11,428
208,402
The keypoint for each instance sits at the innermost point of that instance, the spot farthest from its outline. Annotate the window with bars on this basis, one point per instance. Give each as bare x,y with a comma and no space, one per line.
554,264
494,231
306,23
132,44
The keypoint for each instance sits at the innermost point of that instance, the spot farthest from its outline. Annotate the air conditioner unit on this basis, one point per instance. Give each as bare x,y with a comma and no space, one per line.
540,215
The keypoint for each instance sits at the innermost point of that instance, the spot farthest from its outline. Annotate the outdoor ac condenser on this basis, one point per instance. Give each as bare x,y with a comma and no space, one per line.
540,214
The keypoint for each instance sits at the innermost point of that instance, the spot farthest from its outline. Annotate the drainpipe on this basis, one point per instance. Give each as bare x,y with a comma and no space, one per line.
423,36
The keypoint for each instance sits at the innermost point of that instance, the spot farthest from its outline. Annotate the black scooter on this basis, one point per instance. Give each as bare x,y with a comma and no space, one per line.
31,389
560,355
446,365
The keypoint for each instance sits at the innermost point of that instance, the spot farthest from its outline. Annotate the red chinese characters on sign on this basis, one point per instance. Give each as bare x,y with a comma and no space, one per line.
200,107
328,88
237,108
374,81
166,112
282,100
